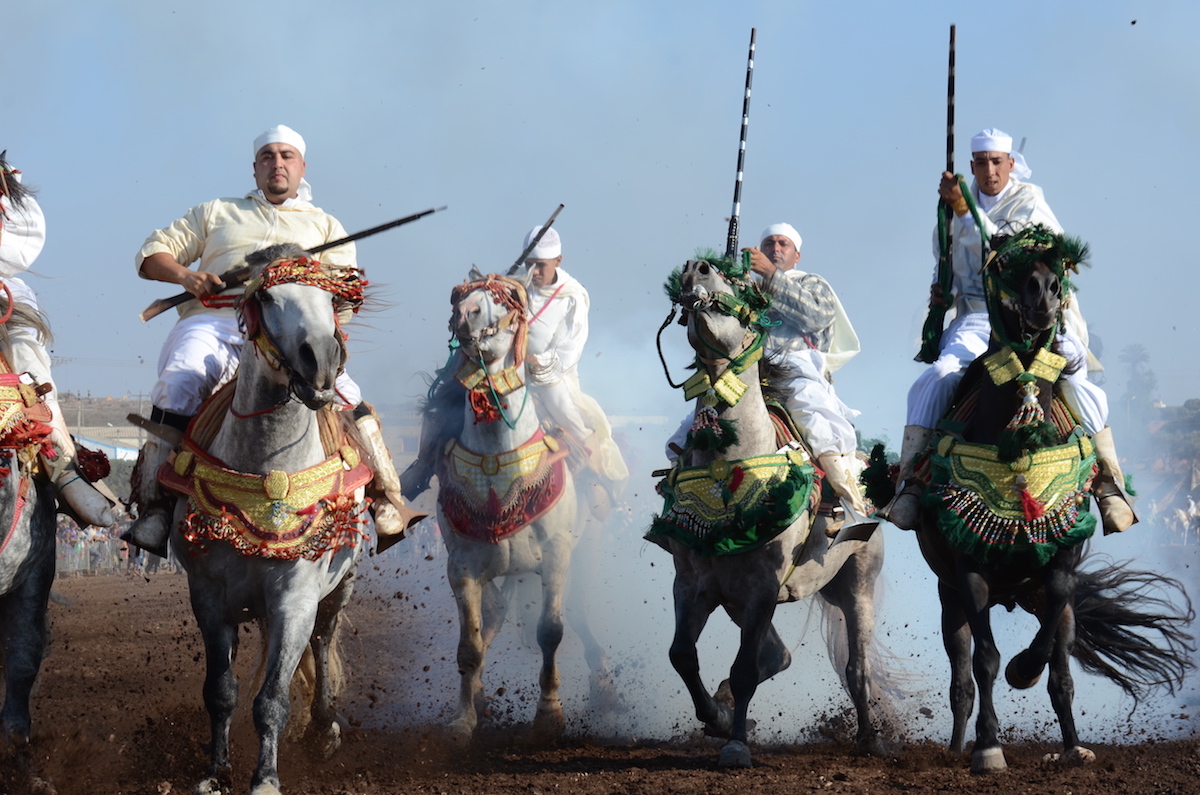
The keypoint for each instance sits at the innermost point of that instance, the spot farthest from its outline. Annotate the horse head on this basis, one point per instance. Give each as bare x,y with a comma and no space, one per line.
488,318
723,309
289,312
1027,284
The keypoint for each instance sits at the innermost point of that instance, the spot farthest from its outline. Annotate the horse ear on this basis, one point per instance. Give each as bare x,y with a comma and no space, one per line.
475,275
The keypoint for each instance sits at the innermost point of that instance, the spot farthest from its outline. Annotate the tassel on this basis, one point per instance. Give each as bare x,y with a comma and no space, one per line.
1030,412
1029,504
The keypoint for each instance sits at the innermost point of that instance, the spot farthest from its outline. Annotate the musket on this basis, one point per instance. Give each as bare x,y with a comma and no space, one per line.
516,266
931,333
731,241
238,275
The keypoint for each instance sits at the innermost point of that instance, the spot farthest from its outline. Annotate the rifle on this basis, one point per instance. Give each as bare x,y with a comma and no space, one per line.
731,240
533,243
931,333
235,276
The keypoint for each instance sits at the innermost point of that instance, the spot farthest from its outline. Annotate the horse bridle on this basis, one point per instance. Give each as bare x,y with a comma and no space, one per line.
347,286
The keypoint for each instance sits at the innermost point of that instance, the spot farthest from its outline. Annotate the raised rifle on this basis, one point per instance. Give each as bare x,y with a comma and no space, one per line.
931,333
731,240
238,275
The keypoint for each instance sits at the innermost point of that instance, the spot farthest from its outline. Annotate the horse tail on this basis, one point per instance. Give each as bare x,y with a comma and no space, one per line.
1131,628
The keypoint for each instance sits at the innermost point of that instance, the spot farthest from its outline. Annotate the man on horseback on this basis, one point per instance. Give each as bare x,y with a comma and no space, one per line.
1006,204
22,235
813,338
558,330
201,352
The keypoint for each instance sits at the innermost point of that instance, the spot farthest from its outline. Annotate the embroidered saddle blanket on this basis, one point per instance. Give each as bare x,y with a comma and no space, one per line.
282,515
491,497
994,510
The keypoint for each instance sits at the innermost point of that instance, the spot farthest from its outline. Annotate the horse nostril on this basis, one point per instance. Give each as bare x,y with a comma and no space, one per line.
703,268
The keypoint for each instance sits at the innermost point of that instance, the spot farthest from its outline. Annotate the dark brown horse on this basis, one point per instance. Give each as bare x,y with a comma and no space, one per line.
1006,516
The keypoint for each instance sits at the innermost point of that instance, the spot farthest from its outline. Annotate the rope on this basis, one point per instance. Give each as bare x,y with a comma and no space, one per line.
658,344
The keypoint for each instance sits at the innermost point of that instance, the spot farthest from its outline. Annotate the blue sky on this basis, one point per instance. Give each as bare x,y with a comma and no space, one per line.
125,114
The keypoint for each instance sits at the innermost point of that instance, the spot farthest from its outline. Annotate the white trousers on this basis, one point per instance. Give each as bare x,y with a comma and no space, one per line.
201,355
966,340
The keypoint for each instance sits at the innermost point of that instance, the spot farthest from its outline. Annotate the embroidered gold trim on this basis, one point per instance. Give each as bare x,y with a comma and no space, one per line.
1004,366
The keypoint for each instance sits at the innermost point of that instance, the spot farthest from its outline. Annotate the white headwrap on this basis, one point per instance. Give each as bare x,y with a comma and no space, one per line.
993,140
787,230
22,233
282,134
549,247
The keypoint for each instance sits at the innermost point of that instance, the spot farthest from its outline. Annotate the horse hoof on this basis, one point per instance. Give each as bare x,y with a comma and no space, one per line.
549,723
871,746
265,789
460,731
1019,680
209,786
724,695
1075,757
331,741
734,753
988,760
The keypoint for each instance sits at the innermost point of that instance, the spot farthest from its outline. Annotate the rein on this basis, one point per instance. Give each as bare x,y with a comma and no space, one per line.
483,394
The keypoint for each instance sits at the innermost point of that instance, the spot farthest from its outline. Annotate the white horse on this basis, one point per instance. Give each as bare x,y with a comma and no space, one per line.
272,527
506,502
751,555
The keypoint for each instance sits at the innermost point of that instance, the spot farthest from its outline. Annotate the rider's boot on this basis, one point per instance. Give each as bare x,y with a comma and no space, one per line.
86,500
392,517
1116,507
156,508
904,508
840,476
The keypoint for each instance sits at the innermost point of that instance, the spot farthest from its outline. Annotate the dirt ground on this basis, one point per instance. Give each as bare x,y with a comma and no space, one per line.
118,710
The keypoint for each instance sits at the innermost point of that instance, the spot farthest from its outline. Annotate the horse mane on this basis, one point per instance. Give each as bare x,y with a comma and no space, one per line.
775,375
25,315
14,190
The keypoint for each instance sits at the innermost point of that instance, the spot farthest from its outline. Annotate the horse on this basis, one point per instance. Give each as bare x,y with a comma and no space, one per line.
507,501
739,517
1006,519
269,522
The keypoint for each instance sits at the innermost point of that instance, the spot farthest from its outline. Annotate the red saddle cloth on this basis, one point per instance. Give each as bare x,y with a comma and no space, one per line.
492,497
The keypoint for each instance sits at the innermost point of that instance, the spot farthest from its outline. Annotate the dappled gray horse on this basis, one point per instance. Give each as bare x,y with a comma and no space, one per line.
272,527
739,516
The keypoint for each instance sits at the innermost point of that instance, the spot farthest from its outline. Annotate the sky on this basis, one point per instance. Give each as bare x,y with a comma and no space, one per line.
126,114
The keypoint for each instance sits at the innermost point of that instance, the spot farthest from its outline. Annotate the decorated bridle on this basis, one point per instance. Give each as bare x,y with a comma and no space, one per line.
747,304
346,287
486,390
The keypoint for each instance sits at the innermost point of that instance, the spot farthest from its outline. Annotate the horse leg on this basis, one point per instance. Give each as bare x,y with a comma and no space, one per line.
324,729
24,644
549,722
852,591
290,625
956,638
692,610
602,695
988,756
468,594
1025,669
220,684
1061,686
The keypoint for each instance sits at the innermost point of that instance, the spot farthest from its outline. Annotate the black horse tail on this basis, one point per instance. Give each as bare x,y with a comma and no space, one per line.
1131,628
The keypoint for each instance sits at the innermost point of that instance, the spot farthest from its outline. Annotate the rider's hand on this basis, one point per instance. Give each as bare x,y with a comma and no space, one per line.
760,263
936,296
201,283
951,193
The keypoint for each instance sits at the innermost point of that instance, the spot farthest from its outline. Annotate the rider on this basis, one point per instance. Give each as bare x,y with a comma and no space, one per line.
813,339
202,350
22,235
1007,204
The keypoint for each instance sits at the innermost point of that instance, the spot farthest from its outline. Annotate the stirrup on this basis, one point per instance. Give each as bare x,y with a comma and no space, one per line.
151,530
903,510
392,521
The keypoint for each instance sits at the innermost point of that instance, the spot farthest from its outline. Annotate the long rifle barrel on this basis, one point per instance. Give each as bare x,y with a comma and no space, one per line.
950,107
516,266
731,242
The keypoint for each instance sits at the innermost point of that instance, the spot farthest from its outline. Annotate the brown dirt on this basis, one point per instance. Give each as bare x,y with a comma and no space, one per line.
118,710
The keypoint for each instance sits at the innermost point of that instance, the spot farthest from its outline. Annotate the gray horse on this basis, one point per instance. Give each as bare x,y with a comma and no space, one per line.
751,555
271,530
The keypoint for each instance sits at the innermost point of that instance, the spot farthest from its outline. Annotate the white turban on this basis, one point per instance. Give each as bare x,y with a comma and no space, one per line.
992,140
22,232
787,230
549,247
280,134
